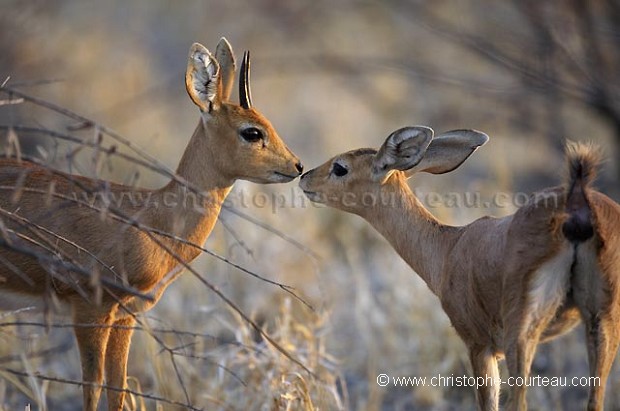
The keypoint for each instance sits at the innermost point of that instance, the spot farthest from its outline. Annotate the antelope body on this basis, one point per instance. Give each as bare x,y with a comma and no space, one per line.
230,142
505,283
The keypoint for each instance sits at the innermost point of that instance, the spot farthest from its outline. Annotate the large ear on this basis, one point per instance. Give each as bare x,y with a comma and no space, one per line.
202,78
449,150
402,150
226,59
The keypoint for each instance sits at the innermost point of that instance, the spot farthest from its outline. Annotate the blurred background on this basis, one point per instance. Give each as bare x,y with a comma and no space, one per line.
331,76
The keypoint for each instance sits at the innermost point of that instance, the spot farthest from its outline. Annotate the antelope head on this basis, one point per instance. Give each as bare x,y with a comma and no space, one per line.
247,145
354,180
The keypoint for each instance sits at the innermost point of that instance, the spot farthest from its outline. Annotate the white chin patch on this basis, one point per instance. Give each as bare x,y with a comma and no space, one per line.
281,178
273,178
314,197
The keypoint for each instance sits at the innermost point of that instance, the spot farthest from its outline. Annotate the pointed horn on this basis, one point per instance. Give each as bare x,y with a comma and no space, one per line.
245,96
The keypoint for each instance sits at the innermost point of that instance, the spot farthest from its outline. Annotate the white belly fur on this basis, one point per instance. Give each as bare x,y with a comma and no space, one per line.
550,284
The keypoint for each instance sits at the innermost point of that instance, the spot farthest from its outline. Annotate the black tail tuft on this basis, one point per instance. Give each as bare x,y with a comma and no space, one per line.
583,161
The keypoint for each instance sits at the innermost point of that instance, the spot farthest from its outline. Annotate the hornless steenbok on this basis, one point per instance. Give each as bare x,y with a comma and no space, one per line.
231,142
505,283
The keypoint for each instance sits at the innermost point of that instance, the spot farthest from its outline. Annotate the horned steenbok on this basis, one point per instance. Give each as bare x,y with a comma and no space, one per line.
231,142
506,284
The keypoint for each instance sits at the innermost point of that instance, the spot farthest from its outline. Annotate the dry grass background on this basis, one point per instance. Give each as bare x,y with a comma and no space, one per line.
330,77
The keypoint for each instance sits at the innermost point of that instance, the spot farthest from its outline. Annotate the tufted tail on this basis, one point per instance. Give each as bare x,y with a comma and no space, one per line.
583,161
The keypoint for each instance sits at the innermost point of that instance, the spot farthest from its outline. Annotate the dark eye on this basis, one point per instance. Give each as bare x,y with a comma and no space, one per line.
339,170
251,134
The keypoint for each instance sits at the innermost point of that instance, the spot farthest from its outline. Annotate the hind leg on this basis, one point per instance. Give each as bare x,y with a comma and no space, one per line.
602,339
522,339
92,341
595,293
484,364
117,352
519,361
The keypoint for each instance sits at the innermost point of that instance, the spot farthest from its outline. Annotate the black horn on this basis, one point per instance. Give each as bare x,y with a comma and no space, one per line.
245,96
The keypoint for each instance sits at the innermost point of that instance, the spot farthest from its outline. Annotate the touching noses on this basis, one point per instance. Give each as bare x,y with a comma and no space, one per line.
299,167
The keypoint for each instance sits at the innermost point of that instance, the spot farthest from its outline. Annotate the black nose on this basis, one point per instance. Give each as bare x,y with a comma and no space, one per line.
299,167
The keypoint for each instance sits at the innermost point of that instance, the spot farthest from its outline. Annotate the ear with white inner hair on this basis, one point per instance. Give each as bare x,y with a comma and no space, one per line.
226,59
402,150
202,79
449,150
